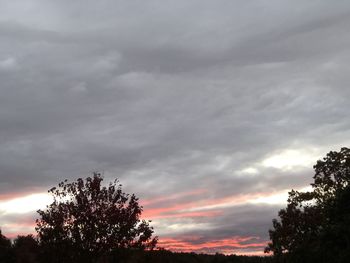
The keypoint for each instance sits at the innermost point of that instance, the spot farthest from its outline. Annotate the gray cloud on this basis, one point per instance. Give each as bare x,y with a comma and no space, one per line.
172,97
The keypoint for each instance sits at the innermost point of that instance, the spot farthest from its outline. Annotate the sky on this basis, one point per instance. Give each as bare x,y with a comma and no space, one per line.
209,111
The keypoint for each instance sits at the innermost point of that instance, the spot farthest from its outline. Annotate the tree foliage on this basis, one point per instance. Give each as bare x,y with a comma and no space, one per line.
315,225
25,249
87,220
5,249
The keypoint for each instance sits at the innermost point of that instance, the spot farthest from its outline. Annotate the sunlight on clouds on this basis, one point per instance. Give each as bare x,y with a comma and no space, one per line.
169,226
278,198
25,204
188,226
275,199
289,159
250,170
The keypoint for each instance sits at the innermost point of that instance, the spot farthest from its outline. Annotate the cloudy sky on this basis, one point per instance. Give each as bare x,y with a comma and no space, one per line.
209,111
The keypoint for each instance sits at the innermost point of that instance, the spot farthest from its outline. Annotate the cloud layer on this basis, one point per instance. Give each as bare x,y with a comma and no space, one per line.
198,107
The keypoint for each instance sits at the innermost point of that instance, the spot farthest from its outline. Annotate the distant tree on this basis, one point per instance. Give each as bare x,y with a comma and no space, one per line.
5,249
87,220
26,249
315,225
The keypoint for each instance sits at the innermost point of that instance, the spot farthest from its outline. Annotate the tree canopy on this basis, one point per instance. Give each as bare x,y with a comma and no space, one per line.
87,220
5,249
315,225
25,249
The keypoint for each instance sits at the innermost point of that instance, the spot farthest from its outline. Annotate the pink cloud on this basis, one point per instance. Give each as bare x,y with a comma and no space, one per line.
237,245
195,208
12,230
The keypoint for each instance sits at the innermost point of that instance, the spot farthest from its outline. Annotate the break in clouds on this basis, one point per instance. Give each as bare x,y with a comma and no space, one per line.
208,110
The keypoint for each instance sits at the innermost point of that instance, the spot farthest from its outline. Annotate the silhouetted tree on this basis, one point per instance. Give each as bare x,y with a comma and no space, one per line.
87,220
315,226
26,249
5,249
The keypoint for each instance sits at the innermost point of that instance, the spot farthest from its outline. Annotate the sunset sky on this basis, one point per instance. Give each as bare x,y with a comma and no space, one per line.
209,111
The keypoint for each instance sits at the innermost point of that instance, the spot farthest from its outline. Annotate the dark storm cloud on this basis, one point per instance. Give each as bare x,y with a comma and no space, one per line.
172,97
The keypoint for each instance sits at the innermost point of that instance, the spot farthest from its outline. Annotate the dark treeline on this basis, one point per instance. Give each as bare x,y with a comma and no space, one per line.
26,249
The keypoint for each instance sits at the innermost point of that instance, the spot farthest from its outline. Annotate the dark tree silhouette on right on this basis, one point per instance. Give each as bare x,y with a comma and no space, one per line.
315,225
